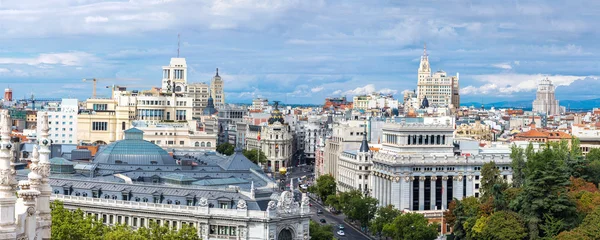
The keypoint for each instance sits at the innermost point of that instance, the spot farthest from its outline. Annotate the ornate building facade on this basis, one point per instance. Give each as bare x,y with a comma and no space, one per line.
545,101
477,131
26,215
440,89
276,141
417,168
133,181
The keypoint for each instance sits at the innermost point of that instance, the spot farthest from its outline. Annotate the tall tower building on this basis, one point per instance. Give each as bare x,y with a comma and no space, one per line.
216,90
545,101
175,76
8,95
440,89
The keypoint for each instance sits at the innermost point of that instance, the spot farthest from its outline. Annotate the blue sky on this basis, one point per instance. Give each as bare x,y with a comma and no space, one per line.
301,51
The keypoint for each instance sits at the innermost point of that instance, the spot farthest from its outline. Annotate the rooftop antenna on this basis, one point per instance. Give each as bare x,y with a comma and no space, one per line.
178,40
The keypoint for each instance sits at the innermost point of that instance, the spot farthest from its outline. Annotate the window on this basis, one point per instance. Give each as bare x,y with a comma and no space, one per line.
223,205
181,142
99,126
99,107
477,186
477,177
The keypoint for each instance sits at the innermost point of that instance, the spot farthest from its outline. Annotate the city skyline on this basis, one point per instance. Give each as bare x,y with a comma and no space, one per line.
300,51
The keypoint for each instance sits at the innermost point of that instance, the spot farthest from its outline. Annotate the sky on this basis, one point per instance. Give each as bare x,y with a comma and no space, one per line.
301,51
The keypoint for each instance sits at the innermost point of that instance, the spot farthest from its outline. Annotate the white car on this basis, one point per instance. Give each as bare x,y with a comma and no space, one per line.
341,232
303,186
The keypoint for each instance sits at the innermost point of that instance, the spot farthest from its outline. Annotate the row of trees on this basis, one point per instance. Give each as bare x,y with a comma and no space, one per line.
552,195
362,210
74,225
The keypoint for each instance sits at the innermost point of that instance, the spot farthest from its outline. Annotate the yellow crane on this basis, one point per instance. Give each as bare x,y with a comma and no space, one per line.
95,80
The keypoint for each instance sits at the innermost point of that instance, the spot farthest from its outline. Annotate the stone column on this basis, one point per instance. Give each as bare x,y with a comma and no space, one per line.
457,186
7,181
469,185
389,190
421,193
405,193
396,192
444,192
432,190
44,171
380,190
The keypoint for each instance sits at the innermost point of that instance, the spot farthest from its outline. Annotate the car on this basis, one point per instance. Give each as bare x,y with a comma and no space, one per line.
341,232
319,211
341,227
322,220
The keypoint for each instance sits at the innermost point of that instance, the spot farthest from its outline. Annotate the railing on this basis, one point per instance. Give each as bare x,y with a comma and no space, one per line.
156,208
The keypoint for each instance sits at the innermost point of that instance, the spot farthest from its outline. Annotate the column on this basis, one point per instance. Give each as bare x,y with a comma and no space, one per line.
379,190
7,181
404,193
469,185
396,192
421,193
385,192
444,192
432,199
458,187
390,181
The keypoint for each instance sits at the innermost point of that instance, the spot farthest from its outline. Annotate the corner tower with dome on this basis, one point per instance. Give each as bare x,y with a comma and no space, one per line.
276,140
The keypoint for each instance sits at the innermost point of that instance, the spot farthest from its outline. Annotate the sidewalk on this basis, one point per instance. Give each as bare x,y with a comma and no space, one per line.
357,229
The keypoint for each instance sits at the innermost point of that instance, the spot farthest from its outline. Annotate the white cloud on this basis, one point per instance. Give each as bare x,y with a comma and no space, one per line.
65,59
506,66
95,19
367,89
316,89
506,84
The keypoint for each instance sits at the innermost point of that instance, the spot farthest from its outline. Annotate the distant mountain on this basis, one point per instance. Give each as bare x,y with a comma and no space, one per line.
588,104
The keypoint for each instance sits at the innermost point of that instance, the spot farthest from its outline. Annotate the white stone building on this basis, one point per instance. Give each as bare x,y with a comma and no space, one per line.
417,168
216,90
545,101
63,122
440,89
345,135
354,168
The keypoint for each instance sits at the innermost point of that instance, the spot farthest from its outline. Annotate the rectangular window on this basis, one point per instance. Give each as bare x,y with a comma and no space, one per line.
100,107
99,126
181,142
135,222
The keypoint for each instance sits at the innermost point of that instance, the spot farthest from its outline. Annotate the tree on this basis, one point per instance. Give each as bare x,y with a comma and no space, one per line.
73,224
325,187
320,232
576,148
411,226
465,214
593,155
226,149
588,229
384,215
489,177
504,225
518,165
362,209
253,155
545,189
68,224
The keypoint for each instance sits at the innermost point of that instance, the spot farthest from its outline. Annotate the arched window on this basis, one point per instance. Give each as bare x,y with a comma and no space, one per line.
114,197
207,144
178,89
202,144
106,196
144,200
197,144
177,202
84,194
169,201
123,125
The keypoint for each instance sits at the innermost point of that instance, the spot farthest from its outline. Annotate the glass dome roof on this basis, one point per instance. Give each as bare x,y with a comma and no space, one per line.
134,150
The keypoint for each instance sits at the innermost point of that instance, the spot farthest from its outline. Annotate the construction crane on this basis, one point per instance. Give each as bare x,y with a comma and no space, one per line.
33,100
95,80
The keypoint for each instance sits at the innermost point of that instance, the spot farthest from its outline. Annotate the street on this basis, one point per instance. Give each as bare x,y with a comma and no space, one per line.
335,221
331,219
